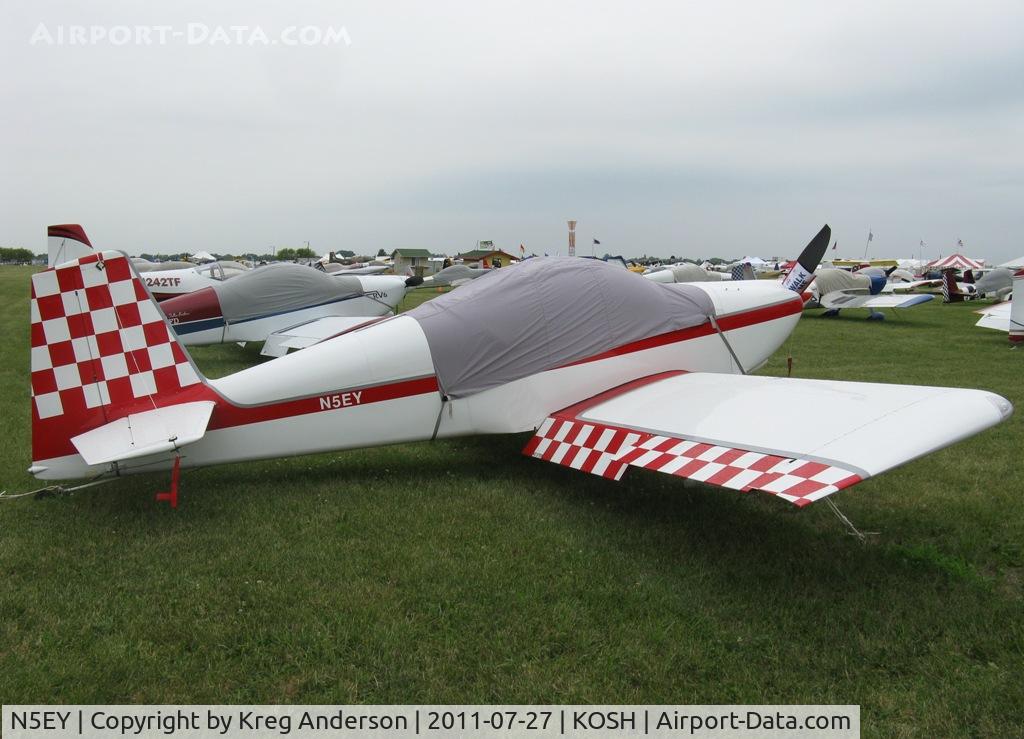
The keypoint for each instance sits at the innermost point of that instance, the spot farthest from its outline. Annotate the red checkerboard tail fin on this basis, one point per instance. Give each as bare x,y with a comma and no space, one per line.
101,349
66,242
950,289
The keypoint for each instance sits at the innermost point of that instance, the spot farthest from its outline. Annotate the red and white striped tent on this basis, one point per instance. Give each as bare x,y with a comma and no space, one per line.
955,261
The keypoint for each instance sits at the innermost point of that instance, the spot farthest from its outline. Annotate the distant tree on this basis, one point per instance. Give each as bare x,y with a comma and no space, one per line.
305,253
16,255
286,254
381,253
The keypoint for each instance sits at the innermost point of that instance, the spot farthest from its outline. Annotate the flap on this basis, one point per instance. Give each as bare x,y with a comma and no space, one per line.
142,434
798,439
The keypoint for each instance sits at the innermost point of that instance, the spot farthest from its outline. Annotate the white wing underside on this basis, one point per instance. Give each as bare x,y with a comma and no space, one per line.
895,287
312,332
862,299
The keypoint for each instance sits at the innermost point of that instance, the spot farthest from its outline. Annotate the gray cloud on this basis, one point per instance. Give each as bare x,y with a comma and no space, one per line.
664,128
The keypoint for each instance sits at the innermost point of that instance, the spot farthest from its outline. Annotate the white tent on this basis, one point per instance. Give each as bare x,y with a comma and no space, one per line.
203,256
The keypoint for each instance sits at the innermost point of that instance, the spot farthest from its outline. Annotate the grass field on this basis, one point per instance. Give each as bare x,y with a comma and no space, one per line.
462,572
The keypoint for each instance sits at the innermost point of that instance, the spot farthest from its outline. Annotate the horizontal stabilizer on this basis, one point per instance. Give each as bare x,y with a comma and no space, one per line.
145,433
726,430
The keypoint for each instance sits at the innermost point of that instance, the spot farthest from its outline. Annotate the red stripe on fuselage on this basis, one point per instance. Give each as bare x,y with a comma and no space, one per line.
233,415
726,323
228,415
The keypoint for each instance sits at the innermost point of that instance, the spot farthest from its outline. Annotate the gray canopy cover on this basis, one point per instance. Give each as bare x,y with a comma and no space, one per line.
544,313
278,288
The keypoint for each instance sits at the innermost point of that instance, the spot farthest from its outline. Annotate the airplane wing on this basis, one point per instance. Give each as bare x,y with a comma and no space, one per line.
738,431
373,269
149,432
312,332
902,286
862,299
995,316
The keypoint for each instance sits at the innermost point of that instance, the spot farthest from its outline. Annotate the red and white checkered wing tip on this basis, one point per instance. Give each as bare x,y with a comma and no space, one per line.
100,348
608,451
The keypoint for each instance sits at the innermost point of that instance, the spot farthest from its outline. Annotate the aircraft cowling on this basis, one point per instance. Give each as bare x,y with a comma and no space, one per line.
877,282
200,305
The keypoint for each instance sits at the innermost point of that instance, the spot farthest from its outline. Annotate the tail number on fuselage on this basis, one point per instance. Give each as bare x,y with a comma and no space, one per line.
341,400
162,281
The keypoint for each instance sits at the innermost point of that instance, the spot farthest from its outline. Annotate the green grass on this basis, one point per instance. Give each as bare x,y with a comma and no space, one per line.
462,572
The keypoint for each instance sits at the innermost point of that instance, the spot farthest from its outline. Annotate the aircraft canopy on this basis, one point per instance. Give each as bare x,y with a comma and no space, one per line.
544,313
277,288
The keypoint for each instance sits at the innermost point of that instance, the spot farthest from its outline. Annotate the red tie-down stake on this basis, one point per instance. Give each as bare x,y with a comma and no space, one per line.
171,496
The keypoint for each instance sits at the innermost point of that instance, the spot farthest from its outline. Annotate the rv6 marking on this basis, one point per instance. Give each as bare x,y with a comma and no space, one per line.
340,400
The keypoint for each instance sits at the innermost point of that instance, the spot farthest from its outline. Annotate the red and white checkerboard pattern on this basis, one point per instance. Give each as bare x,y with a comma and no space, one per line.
608,451
99,340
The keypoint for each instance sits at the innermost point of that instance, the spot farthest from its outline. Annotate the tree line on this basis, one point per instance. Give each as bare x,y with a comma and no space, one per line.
15,255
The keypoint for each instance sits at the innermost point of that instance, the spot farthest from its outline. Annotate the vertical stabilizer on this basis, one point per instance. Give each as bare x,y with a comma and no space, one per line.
66,242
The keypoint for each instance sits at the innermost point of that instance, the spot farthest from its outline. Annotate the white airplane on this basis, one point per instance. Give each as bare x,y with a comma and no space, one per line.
685,272
288,306
836,289
454,275
610,371
69,241
1009,315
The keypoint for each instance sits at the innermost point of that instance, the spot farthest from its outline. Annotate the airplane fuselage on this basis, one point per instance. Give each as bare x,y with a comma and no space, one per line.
377,385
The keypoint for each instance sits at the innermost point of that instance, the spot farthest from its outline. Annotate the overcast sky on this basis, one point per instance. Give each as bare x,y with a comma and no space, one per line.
694,129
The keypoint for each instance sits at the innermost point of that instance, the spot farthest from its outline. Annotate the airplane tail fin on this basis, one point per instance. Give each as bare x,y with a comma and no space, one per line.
743,271
66,242
101,350
950,290
803,271
1017,308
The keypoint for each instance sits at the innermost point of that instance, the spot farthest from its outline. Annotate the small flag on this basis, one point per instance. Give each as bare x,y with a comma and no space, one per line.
835,245
921,242
522,250
596,241
960,243
871,236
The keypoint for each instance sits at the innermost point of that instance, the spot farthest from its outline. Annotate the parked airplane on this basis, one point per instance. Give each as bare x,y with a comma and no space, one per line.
609,370
994,283
685,272
1007,316
283,305
836,289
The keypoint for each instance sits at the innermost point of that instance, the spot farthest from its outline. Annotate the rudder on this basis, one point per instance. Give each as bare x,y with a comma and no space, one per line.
66,242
